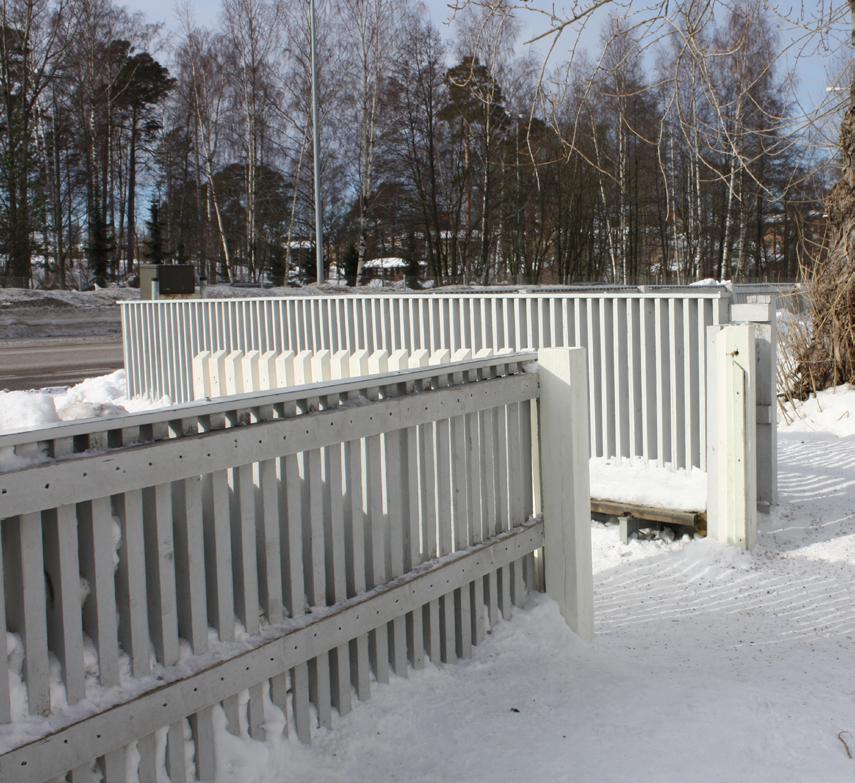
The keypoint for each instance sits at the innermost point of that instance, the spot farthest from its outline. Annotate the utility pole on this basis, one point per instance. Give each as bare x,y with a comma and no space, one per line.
316,146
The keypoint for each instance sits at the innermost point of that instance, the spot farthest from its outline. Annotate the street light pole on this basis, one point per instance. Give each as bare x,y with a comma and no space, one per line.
316,146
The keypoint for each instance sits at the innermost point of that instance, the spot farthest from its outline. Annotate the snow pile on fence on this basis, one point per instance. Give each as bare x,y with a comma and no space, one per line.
94,397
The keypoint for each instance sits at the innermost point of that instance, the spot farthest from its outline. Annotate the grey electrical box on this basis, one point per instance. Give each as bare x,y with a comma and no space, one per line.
174,279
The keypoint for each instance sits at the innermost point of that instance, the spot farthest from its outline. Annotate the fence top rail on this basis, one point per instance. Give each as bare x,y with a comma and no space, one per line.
246,401
642,292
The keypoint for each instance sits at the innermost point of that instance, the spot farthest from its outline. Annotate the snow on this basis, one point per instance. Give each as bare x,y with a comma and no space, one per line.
94,397
831,412
645,483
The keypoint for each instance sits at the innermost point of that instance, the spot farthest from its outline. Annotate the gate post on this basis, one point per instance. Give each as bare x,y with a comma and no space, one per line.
760,311
565,484
732,434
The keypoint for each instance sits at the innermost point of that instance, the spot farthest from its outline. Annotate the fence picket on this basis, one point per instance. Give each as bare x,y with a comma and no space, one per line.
65,631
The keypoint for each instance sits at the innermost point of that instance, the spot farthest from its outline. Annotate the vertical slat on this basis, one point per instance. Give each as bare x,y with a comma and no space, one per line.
429,523
460,513
397,500
334,536
623,385
295,597
269,560
99,609
131,589
162,606
5,695
246,581
355,543
675,345
690,380
315,567
663,407
192,605
376,549
26,604
503,509
607,389
516,481
647,320
594,368
634,358
65,631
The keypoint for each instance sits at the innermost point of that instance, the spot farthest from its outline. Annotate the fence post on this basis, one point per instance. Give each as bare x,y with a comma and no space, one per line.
565,484
732,434
760,310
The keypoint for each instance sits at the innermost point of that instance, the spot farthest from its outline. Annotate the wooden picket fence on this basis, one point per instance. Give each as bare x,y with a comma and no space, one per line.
646,349
237,372
294,545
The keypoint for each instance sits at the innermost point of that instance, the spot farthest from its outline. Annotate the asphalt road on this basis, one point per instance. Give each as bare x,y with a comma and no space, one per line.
35,364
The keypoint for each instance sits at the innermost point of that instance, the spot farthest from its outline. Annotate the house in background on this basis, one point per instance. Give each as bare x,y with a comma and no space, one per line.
391,269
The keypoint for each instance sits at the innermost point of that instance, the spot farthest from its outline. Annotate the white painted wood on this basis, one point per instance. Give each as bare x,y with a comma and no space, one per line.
733,518
209,556
65,630
99,610
566,503
117,726
201,375
160,572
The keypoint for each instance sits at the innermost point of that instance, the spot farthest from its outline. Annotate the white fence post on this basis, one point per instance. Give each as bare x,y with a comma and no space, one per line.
732,435
565,484
761,311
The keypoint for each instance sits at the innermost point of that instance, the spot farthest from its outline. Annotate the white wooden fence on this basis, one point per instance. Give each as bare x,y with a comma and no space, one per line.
646,349
162,566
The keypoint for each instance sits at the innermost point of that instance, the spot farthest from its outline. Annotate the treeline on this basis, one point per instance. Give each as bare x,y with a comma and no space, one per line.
636,163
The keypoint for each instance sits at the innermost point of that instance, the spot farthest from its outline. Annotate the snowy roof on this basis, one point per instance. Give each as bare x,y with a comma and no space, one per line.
299,244
391,262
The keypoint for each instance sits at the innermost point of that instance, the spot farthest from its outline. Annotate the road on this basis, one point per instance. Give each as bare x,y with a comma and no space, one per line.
34,364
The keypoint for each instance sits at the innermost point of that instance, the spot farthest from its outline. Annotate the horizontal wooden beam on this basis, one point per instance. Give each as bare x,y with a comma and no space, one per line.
616,508
178,692
80,478
229,403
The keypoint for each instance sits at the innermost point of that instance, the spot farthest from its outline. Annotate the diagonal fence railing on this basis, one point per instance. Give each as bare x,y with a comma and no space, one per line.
170,572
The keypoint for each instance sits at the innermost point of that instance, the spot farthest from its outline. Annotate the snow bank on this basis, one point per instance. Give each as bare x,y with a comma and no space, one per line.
831,411
647,484
94,397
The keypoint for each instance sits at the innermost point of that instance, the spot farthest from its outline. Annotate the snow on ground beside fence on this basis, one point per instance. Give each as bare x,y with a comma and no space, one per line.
709,664
647,484
94,397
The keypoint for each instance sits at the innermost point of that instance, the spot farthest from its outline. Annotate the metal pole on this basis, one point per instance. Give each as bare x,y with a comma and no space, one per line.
316,146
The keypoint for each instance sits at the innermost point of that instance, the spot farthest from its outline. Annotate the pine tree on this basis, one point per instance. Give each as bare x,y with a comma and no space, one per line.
155,251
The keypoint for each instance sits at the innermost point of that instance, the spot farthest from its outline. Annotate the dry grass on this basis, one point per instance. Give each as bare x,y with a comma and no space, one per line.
826,355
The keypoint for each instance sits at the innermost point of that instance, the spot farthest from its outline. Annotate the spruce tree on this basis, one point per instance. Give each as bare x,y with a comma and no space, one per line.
155,251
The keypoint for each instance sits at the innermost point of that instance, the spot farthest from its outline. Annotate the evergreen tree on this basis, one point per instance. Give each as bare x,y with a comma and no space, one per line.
155,251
